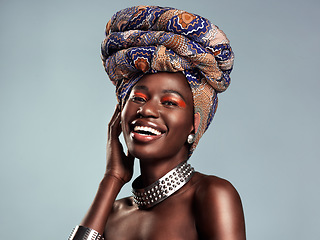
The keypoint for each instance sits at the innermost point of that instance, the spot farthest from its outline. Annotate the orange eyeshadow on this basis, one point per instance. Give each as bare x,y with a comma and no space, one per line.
138,94
179,102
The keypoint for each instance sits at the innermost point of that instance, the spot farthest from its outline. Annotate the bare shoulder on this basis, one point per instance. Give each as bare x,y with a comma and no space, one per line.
121,209
218,209
215,188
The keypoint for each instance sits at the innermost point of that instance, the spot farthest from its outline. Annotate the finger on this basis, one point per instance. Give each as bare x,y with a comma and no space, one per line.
115,114
117,124
114,125
115,117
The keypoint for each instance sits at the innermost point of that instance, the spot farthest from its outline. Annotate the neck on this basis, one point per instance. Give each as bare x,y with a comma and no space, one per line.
163,188
153,169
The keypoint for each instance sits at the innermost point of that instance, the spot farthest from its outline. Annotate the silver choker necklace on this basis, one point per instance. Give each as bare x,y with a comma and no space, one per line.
162,188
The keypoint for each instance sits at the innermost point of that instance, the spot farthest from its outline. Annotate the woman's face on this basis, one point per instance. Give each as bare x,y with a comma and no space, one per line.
158,116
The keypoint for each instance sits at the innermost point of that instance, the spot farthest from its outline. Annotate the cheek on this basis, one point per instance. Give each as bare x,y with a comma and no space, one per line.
181,122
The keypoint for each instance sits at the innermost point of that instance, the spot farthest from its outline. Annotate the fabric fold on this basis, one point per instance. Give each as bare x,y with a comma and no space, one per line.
151,39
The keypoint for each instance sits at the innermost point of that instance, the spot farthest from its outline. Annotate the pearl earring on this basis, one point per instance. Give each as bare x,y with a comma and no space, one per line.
190,139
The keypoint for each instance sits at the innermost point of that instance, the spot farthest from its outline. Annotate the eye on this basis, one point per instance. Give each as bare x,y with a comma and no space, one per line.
139,97
173,102
169,103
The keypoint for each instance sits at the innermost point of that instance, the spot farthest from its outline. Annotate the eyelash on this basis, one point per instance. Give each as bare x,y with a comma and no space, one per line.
136,98
141,98
169,103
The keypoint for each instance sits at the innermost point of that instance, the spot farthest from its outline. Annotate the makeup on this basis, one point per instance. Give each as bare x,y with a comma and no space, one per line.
174,100
139,95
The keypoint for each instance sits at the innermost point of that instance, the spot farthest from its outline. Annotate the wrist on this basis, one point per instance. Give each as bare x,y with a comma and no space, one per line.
101,206
108,176
84,233
111,182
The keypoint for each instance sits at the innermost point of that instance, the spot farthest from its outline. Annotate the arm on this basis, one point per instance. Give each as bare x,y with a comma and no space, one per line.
219,214
119,171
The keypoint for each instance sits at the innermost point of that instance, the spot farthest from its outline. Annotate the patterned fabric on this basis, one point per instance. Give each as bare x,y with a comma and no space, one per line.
150,39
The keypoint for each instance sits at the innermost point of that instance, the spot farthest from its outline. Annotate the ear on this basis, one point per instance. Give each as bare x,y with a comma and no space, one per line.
196,117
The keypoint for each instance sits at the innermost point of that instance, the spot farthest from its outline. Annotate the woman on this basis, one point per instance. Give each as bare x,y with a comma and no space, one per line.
168,66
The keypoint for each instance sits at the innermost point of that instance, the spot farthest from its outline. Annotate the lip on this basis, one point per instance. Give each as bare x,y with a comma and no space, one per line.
143,137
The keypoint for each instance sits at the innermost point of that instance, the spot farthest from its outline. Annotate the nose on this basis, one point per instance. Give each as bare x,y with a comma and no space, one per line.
149,110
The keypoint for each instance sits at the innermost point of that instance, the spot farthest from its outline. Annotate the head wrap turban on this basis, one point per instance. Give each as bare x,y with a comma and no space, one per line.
150,39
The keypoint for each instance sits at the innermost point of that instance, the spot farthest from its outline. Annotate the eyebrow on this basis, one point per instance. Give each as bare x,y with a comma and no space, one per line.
142,87
173,91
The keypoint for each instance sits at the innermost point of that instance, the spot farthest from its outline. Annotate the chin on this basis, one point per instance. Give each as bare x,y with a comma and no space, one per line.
148,153
143,153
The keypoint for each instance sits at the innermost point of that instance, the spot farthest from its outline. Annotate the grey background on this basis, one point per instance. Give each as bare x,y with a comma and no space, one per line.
56,101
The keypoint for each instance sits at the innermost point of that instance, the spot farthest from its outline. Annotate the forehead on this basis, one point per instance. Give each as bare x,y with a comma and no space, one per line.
165,81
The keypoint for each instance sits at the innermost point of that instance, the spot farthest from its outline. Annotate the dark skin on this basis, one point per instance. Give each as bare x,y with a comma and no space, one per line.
207,207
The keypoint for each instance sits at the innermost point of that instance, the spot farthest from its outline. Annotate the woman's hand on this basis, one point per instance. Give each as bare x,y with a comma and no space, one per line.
119,171
119,165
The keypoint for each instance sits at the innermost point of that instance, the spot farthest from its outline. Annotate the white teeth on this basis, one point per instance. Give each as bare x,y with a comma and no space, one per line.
147,129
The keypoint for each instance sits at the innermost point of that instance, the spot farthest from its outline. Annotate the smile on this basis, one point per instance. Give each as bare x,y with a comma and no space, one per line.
146,130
